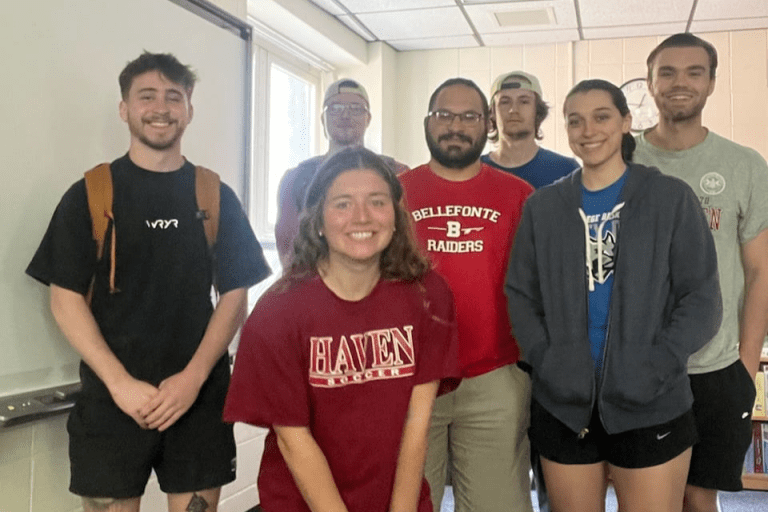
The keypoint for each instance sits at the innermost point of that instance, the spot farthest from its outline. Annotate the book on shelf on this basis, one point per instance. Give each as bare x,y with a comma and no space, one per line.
749,460
757,441
759,410
765,446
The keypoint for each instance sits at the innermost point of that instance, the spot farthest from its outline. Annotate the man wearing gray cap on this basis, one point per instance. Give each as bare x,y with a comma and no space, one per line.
345,118
517,111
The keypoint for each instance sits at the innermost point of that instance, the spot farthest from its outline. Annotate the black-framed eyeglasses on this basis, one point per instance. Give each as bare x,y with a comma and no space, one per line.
338,109
447,117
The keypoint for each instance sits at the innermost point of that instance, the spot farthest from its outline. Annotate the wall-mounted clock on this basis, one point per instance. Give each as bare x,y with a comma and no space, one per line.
641,104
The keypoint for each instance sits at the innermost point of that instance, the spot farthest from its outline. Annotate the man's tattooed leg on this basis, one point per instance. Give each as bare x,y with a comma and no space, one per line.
197,504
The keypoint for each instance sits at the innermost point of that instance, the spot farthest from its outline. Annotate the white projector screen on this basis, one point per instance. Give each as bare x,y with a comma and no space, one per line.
59,111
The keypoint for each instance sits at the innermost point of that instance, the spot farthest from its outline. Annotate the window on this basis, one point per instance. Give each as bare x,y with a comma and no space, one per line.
291,118
285,124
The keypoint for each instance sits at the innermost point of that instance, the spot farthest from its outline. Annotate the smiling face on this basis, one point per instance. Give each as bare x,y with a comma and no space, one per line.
345,118
157,112
458,143
595,129
515,113
680,82
358,217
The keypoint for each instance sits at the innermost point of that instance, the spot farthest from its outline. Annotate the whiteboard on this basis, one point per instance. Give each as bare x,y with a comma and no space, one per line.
59,117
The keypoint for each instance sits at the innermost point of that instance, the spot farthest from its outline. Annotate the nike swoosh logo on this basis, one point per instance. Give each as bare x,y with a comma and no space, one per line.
659,437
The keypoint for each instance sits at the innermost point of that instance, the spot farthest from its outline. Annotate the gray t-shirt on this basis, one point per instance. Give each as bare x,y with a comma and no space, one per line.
731,182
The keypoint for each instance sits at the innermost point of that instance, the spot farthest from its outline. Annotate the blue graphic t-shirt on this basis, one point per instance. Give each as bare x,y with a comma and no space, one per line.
600,212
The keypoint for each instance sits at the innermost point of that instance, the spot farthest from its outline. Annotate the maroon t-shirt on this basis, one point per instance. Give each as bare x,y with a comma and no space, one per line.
346,370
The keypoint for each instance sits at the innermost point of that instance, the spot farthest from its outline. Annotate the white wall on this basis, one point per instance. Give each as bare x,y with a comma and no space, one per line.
34,464
420,72
379,77
738,108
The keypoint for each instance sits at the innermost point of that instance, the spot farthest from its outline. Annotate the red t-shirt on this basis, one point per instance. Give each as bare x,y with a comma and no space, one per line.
346,370
467,227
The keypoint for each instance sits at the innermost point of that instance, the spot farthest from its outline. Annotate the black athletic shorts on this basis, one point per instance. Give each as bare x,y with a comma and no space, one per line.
640,448
112,457
722,406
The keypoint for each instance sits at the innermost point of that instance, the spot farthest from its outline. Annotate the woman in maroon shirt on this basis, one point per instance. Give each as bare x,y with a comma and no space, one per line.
343,357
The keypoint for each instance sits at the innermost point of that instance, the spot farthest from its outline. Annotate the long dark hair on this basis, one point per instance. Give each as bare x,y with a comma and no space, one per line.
628,143
401,259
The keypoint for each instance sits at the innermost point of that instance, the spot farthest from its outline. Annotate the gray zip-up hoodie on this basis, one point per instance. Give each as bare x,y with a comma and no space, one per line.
665,304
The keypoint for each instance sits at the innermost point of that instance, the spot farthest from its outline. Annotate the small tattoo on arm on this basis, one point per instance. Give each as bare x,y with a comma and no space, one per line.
197,504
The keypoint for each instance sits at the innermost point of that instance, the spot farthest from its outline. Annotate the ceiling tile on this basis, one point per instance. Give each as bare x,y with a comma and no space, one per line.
732,9
536,37
423,23
358,6
484,19
657,29
724,25
434,43
355,26
610,13
438,24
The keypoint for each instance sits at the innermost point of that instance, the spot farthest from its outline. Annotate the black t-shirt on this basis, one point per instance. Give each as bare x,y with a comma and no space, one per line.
156,321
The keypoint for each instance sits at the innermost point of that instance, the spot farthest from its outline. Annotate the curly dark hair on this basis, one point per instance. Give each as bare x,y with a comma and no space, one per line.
401,260
165,63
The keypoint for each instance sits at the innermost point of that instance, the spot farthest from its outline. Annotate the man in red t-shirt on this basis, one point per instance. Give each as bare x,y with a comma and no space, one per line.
465,215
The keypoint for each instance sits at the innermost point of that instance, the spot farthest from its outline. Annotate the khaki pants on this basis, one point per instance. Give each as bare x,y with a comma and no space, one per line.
479,433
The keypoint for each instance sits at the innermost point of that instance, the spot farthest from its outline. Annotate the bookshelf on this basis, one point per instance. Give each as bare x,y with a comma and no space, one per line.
759,481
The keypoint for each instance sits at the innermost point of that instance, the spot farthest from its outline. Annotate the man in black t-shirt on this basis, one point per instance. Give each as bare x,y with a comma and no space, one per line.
154,370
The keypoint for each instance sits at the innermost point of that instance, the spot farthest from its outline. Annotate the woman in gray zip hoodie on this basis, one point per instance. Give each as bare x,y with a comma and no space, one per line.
612,284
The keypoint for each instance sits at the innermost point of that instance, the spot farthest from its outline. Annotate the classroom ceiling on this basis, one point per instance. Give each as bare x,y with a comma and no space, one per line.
434,24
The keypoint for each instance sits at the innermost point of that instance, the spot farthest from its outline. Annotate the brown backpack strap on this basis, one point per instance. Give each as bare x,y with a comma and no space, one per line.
207,194
98,186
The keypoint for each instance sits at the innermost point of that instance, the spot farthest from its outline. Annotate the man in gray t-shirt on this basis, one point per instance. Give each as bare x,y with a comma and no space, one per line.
732,184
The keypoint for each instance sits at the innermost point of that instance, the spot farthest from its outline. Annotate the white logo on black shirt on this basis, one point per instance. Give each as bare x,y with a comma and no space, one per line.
162,223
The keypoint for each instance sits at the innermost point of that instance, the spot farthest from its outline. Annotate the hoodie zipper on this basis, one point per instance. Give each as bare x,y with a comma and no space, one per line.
616,255
585,430
597,386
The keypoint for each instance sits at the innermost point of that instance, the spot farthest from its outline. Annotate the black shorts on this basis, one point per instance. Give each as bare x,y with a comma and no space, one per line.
640,448
722,406
112,457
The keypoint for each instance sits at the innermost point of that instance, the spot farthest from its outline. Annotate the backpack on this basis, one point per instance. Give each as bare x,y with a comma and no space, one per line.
98,186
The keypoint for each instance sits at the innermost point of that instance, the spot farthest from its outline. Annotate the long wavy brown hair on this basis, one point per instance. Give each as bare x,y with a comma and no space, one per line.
401,260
